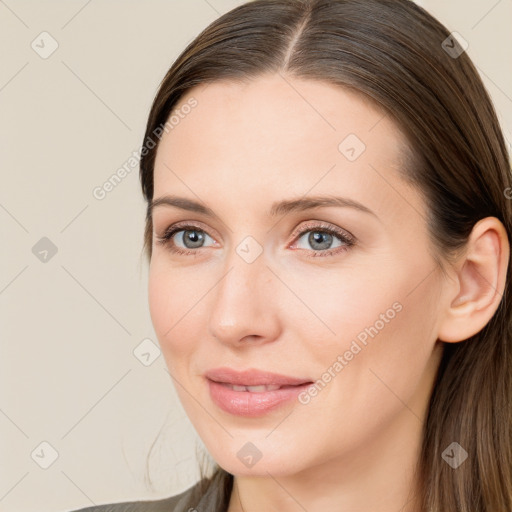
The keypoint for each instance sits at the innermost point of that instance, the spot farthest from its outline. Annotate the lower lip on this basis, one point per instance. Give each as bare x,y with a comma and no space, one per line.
252,404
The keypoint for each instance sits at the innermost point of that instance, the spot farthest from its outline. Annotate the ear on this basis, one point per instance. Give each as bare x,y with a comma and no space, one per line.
480,281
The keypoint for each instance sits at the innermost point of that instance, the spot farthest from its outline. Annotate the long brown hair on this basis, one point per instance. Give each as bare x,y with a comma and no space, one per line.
397,55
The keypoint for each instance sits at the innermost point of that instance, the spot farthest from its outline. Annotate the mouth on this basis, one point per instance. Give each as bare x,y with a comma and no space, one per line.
252,380
254,400
260,388
253,393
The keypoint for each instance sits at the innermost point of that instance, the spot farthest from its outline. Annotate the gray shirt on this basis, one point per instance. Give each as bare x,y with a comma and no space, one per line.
208,495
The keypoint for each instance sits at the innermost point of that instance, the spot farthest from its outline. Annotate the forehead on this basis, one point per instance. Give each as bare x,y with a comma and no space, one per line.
274,132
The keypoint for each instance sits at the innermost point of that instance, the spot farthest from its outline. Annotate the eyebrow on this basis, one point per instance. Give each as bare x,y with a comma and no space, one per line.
278,208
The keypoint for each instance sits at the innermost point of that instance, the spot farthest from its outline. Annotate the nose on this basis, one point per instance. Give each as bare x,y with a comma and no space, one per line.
246,304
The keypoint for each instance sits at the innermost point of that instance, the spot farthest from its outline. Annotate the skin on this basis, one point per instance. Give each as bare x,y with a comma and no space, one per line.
354,446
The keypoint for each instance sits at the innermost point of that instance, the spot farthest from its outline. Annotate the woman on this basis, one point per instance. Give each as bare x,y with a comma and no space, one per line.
328,231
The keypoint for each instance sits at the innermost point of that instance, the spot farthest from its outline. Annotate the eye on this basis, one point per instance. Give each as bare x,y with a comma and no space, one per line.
191,237
321,238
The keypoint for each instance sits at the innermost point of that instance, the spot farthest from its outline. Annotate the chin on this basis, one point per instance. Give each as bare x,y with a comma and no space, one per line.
255,458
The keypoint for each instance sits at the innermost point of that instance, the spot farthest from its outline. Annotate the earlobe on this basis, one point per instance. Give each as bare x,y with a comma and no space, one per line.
481,277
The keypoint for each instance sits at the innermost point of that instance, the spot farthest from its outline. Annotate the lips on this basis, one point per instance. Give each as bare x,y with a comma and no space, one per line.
253,380
253,401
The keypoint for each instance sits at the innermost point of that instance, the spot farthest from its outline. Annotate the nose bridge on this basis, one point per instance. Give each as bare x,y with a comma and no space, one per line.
243,300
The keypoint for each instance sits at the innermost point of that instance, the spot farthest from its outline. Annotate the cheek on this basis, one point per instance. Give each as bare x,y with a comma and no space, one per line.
159,295
360,298
369,324
387,351
172,295
336,306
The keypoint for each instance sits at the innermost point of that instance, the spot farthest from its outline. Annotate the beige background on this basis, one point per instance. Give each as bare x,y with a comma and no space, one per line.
69,376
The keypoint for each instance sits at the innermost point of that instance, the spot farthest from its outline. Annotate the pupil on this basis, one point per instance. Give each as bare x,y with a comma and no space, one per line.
195,238
317,237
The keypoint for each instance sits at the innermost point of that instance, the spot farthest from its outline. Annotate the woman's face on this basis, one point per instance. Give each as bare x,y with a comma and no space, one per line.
354,309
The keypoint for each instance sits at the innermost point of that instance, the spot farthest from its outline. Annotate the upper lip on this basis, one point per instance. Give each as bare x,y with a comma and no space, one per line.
252,377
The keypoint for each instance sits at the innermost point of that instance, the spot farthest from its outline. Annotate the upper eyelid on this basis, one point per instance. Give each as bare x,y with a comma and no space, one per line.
323,225
186,226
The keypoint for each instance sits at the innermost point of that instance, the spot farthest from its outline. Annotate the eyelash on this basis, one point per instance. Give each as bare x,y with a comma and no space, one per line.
345,238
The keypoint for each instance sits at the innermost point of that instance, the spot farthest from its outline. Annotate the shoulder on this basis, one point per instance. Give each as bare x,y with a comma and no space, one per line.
207,495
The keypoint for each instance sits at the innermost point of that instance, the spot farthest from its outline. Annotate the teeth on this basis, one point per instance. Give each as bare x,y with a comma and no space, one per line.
253,389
